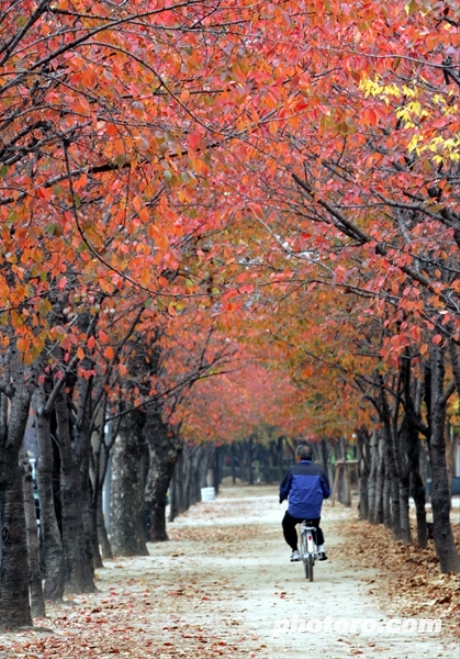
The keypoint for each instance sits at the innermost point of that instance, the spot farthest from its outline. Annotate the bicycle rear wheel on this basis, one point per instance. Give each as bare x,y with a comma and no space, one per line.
308,563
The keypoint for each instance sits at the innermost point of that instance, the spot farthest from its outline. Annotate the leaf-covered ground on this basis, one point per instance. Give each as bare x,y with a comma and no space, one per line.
220,585
408,577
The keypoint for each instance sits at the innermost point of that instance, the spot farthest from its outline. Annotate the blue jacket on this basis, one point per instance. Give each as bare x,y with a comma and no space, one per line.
305,485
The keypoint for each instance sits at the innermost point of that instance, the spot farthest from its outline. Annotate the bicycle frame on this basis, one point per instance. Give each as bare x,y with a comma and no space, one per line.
309,545
309,550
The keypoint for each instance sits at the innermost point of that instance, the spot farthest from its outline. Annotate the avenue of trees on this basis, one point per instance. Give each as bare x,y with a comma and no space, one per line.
221,221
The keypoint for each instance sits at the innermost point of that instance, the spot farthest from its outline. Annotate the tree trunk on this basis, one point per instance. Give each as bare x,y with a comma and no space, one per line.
404,482
386,494
412,395
364,471
440,496
392,519
14,576
187,461
217,468
280,459
451,446
373,473
233,462
71,517
82,455
250,453
126,524
51,542
164,448
344,486
14,572
418,488
380,486
198,471
37,600
102,534
175,494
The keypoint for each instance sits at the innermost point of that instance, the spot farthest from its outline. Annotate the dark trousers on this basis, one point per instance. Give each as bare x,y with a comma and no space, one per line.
290,533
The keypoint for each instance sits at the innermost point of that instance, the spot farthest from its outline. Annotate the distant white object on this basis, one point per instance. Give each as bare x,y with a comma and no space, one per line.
208,494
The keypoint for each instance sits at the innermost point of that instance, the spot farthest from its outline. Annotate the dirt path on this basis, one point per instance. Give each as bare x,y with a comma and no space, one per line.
217,590
255,568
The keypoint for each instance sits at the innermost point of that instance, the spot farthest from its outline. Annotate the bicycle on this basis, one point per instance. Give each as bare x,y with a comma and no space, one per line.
308,547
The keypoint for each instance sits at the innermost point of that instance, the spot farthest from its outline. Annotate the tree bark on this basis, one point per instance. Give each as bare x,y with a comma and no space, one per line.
364,471
233,462
14,572
102,534
344,486
198,469
380,485
440,496
250,453
51,542
37,600
175,493
71,514
373,472
418,489
164,448
412,396
392,519
126,524
82,452
404,481
386,492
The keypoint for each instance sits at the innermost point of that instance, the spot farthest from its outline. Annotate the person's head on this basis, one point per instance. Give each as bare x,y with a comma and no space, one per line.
303,452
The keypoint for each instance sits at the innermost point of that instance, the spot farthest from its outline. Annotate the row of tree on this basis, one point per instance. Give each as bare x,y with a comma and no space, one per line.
179,178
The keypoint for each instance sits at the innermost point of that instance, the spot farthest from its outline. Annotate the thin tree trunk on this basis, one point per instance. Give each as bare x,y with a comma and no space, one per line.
418,488
412,395
37,601
404,482
250,458
82,450
373,472
391,519
51,542
198,469
102,534
440,497
386,494
164,449
232,462
380,485
364,471
71,518
174,488
344,487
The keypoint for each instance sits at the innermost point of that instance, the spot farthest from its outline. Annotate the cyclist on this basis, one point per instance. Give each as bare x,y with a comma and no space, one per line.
305,485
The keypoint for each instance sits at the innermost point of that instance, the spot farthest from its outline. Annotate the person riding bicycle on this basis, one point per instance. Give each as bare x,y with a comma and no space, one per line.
305,485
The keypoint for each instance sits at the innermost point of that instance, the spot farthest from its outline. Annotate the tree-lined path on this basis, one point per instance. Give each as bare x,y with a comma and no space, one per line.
217,590
223,224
